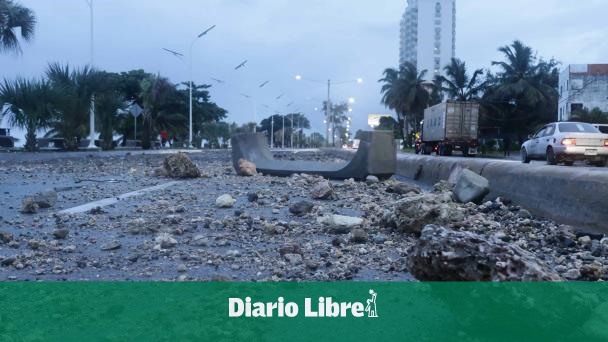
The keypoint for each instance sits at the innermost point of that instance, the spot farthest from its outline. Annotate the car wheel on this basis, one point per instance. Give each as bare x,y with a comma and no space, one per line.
551,157
568,163
525,158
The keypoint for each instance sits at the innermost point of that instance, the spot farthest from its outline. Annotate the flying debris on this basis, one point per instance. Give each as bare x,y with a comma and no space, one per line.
265,106
175,53
280,96
240,65
245,95
263,84
289,104
217,80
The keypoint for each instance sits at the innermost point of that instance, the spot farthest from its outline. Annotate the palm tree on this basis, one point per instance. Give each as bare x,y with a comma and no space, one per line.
74,88
15,17
523,94
26,102
405,91
157,94
458,84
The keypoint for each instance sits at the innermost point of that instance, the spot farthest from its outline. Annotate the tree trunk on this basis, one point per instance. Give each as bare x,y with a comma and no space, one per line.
30,139
146,144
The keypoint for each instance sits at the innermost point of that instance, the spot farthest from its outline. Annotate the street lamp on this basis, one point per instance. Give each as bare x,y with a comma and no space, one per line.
92,109
328,111
190,82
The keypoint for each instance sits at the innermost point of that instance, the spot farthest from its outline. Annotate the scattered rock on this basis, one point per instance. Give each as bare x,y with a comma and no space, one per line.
471,187
61,234
591,272
447,255
290,248
372,180
8,261
180,166
6,237
111,246
584,240
322,190
225,201
294,259
166,241
572,274
400,188
45,199
359,236
301,208
29,206
411,214
252,197
181,268
246,168
338,224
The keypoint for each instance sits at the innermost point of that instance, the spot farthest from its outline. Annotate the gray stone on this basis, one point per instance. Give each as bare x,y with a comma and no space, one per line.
447,255
111,246
359,236
372,180
471,187
45,199
6,237
411,214
29,206
166,241
225,201
61,234
322,190
402,189
572,274
180,166
301,208
338,224
252,197
294,259
290,248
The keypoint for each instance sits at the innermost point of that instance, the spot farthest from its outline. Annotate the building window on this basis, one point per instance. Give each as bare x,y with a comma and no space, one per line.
438,10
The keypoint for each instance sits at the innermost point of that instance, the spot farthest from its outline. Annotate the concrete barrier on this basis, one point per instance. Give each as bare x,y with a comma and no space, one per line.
573,196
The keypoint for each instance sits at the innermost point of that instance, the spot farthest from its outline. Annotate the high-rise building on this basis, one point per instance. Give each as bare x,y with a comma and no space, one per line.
428,35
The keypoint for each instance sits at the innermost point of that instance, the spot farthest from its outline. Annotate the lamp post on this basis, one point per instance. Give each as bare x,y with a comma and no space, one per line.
190,82
328,110
92,109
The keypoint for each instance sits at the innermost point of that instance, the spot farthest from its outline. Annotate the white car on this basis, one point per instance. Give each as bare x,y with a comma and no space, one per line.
567,142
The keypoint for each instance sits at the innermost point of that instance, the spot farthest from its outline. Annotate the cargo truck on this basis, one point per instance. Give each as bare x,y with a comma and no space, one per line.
450,126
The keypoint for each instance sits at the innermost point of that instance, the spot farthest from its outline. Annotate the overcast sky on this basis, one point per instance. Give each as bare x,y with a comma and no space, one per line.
320,39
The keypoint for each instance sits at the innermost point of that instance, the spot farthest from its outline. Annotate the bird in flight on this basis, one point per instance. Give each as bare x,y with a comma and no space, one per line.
217,80
176,54
289,104
240,65
280,96
245,95
263,84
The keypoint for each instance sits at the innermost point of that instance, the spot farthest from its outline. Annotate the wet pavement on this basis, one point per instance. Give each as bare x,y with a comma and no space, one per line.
178,233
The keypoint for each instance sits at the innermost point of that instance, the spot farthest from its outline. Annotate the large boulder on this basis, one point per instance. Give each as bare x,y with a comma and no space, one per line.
322,190
339,224
247,168
180,166
471,187
45,199
411,214
447,255
29,206
400,188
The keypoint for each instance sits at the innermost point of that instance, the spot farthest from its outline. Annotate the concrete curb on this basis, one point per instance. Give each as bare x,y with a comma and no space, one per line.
576,197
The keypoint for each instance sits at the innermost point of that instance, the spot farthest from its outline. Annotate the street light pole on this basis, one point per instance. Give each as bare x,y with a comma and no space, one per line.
283,134
92,109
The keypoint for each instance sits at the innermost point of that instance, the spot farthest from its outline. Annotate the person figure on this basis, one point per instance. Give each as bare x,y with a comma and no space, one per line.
507,142
164,138
371,305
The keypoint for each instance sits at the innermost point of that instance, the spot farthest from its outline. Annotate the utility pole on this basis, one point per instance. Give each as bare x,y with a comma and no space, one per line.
291,135
283,134
272,131
328,110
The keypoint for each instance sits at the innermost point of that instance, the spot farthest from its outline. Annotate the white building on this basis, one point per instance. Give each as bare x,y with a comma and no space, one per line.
428,35
582,86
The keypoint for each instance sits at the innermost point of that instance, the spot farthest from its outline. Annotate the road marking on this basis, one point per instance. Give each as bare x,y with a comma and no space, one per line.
113,200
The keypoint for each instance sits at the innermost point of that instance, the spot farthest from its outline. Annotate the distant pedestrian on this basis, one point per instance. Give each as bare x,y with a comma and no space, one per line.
164,137
507,142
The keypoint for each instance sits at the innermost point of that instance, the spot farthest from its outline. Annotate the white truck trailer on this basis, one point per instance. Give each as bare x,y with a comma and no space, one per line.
451,126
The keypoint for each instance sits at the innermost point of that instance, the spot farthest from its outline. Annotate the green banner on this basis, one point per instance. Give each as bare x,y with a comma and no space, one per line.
303,311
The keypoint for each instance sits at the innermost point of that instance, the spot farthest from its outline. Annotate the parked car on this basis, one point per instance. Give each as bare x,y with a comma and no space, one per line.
567,142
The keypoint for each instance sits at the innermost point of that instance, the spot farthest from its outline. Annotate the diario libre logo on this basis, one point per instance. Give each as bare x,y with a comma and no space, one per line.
323,307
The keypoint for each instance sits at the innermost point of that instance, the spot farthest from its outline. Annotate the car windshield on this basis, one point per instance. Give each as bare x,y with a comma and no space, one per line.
573,127
603,129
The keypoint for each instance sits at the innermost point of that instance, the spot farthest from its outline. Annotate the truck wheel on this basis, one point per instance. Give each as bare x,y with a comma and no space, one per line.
465,151
442,150
602,163
525,158
569,163
551,160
